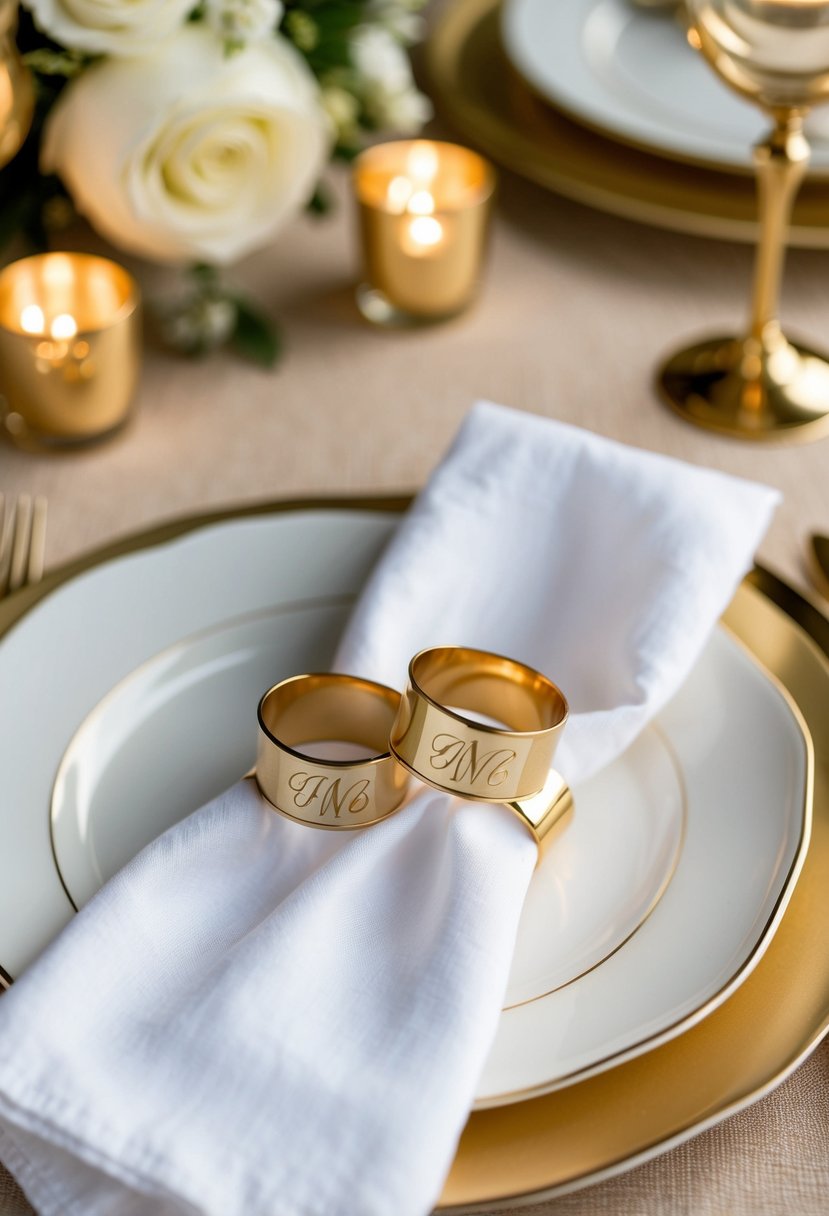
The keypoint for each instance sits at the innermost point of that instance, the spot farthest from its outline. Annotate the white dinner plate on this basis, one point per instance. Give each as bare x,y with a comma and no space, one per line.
139,763
160,657
631,73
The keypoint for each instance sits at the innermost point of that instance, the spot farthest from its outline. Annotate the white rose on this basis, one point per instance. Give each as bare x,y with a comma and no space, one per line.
110,27
190,154
386,83
243,20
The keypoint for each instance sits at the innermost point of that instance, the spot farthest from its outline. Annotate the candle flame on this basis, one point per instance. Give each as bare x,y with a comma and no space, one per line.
32,320
425,230
422,162
64,327
58,271
421,203
398,193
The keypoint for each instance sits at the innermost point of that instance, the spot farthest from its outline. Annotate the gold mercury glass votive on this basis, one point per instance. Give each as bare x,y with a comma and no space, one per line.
70,348
423,210
16,88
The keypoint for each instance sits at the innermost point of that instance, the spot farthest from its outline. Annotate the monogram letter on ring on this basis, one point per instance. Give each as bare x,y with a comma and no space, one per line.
299,720
330,792
462,762
503,751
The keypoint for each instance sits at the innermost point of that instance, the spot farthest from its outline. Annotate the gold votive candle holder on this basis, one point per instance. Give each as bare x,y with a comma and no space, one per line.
423,213
70,348
16,89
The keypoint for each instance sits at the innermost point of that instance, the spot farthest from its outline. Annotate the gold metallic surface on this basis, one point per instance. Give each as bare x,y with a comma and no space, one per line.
763,386
446,190
466,757
16,89
529,1151
544,812
489,105
520,1154
70,348
652,1039
776,391
337,794
477,761
819,563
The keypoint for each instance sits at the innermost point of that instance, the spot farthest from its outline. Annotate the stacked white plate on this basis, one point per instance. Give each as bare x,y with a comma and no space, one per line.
629,71
130,694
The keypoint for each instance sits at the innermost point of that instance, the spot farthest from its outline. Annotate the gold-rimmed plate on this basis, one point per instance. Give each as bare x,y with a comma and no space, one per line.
534,1150
628,71
487,102
155,722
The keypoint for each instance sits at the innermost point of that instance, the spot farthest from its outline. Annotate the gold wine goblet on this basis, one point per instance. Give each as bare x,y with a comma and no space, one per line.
16,91
762,385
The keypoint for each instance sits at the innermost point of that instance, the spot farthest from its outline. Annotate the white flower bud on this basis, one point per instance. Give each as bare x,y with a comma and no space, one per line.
386,82
241,21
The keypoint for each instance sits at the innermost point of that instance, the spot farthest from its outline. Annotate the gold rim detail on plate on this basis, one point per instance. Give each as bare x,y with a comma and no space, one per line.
96,713
530,1151
526,1152
489,104
168,532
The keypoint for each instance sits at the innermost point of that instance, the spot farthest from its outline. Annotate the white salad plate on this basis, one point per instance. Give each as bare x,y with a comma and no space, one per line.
629,72
130,692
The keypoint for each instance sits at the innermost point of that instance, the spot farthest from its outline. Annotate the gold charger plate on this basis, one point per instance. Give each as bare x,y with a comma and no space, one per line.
532,1150
488,103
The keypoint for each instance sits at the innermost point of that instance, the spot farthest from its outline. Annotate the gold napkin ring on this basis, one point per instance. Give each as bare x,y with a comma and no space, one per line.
475,760
338,794
544,811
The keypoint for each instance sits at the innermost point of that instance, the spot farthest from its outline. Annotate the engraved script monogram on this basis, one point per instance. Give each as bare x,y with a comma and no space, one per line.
464,763
331,793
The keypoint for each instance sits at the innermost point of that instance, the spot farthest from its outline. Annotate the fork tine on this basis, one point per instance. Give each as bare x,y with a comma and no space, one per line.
37,542
6,522
20,542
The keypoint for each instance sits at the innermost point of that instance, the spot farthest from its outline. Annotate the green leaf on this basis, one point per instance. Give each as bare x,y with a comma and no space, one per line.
346,152
339,18
47,62
205,276
255,336
321,201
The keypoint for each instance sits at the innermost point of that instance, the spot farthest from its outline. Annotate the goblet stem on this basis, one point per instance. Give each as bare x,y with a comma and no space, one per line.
780,162
760,385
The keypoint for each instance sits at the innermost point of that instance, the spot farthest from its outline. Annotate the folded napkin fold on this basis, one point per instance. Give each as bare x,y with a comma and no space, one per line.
255,1019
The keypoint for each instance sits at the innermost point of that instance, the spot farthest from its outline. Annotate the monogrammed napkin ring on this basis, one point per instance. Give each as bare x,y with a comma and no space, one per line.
509,764
338,794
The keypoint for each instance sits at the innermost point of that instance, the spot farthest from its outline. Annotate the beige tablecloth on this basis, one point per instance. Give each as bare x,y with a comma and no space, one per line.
576,311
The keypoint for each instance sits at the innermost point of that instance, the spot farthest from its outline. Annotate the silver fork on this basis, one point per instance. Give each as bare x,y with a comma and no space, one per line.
22,541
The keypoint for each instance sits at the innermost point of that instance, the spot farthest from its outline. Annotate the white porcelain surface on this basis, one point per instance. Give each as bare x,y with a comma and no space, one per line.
631,72
183,725
232,607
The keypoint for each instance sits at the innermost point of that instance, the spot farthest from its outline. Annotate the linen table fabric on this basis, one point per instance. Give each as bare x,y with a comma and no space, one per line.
256,1018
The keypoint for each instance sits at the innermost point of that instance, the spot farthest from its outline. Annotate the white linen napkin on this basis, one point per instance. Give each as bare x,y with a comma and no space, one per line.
255,1019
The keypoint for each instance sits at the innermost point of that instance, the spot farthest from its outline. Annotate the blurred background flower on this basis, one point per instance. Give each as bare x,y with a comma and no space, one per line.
193,133
190,153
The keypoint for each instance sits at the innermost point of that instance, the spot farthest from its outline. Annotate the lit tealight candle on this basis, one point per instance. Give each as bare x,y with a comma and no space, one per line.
70,347
423,216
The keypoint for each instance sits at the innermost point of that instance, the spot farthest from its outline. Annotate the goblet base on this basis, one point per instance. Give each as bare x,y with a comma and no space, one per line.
773,392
